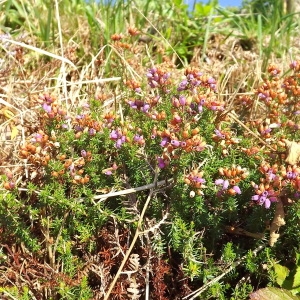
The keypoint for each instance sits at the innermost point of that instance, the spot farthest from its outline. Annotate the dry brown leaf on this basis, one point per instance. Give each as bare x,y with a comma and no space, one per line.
134,262
277,222
133,290
293,152
7,113
14,132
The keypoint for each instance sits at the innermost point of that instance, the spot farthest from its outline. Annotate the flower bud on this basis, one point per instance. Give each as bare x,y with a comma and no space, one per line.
192,194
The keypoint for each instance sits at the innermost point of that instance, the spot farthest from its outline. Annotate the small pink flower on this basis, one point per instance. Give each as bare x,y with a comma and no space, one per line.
47,107
161,163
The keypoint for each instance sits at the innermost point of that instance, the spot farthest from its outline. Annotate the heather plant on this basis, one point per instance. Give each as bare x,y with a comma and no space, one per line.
150,181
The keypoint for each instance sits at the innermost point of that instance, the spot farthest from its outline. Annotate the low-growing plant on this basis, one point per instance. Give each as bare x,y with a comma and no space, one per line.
154,183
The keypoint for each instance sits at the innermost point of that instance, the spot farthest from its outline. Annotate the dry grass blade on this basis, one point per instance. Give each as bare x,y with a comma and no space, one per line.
100,80
41,51
63,72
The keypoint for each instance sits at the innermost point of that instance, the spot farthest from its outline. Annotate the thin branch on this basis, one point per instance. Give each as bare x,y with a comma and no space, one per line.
133,190
112,194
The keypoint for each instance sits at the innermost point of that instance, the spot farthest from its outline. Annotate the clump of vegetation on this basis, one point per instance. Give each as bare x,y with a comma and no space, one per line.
133,165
